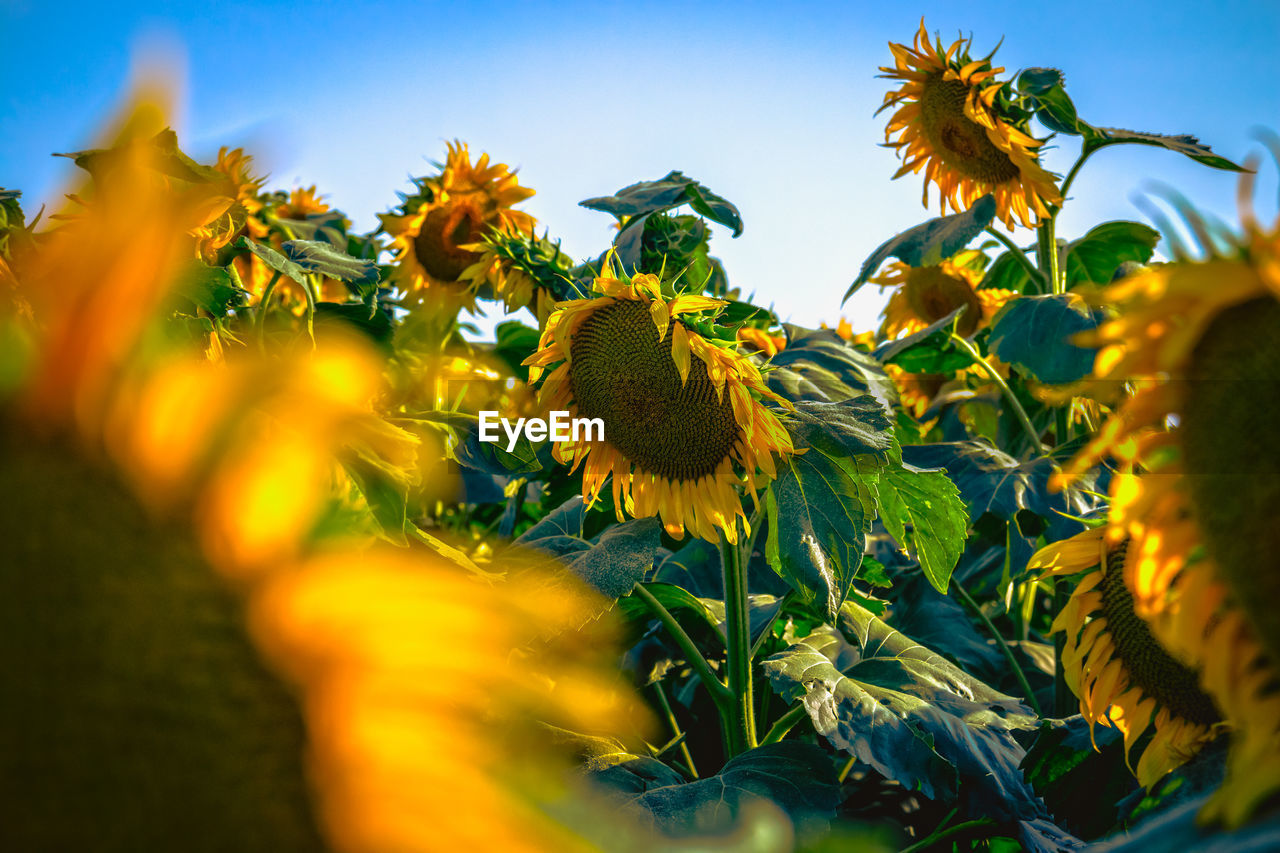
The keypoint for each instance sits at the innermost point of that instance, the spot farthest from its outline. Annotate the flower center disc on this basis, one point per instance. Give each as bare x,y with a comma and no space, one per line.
1158,673
442,232
933,294
1231,436
622,374
961,142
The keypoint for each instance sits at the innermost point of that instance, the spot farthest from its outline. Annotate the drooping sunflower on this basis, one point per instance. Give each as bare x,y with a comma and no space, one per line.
949,125
188,662
926,294
1121,673
435,232
1200,478
761,341
521,270
684,421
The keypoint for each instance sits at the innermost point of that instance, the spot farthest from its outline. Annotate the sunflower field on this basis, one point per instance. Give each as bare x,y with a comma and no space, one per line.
297,558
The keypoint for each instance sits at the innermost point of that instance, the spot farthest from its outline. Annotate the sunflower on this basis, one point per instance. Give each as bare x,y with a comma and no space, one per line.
948,124
683,419
435,233
1199,479
924,295
1122,675
265,210
520,270
190,663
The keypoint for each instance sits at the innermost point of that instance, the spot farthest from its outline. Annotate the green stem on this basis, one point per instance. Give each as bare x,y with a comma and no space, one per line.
785,723
1000,641
934,838
675,727
1009,396
1047,253
738,642
311,314
263,304
1020,256
719,693
1071,176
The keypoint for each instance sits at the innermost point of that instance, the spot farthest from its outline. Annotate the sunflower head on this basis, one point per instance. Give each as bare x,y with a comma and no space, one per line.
435,232
924,295
521,270
1121,673
683,411
950,123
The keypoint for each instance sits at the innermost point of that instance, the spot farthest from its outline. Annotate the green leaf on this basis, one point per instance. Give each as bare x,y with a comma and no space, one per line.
1096,256
922,510
273,259
164,156
915,718
492,457
387,498
514,342
819,365
929,350
316,256
1185,144
795,777
822,504
1006,273
1035,333
674,190
675,599
930,242
211,289
613,564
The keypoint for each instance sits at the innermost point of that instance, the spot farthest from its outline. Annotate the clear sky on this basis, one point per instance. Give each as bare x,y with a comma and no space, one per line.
769,104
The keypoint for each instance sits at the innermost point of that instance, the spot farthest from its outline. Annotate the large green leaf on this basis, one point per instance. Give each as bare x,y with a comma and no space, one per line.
674,190
916,718
1047,95
1035,332
929,350
1185,144
818,364
615,562
1007,273
514,342
1096,256
822,504
274,259
375,324
316,256
922,510
797,778
929,242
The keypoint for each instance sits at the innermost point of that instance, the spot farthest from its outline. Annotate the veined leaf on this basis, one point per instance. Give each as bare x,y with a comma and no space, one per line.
922,510
928,350
316,256
820,365
916,718
822,504
640,199
613,564
1185,144
1035,332
274,259
1097,255
211,288
929,242
795,777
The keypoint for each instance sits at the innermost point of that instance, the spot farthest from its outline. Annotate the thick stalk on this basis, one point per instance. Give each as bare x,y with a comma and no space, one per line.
738,642
1009,396
1000,641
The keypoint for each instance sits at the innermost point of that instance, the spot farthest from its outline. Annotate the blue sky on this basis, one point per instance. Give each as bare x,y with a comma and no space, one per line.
770,105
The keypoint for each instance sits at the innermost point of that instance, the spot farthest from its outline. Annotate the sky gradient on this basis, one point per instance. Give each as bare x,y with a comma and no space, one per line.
770,105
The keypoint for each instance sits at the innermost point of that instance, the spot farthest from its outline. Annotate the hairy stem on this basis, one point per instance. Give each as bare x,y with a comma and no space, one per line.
738,642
